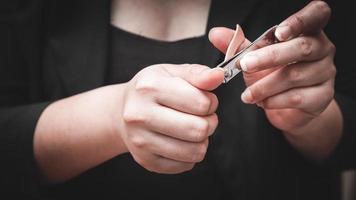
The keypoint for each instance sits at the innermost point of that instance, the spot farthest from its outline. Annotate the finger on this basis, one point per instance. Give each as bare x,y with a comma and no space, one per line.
292,76
180,95
158,164
199,76
181,125
174,149
281,54
310,19
221,38
312,100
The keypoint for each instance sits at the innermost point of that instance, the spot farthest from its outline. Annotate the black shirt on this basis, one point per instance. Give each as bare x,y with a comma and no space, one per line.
131,53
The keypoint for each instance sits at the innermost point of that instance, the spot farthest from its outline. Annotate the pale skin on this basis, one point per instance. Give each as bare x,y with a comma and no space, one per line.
165,134
167,20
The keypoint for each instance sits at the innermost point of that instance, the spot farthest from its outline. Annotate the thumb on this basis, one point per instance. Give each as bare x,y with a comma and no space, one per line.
199,76
228,41
221,37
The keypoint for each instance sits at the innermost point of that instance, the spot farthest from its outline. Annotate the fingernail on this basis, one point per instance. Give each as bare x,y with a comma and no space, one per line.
246,96
218,69
211,31
210,71
248,62
283,33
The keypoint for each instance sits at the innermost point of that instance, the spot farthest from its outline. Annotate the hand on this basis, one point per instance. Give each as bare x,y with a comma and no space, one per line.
168,115
163,117
293,81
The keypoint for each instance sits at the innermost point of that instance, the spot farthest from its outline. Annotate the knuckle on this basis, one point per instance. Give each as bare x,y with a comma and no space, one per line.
332,48
127,116
137,141
330,70
294,75
130,116
296,99
203,105
326,99
305,46
257,92
214,121
330,92
274,54
214,102
201,131
200,152
333,71
146,85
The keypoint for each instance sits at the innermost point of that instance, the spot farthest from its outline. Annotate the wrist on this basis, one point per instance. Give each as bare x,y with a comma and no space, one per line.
78,133
116,128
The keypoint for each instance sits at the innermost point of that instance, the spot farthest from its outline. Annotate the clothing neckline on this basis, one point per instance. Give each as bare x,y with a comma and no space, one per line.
145,39
208,26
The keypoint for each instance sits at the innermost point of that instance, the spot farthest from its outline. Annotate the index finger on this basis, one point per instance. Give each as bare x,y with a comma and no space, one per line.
312,18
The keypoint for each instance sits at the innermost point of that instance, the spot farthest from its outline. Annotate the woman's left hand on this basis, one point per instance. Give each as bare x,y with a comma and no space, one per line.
293,80
293,94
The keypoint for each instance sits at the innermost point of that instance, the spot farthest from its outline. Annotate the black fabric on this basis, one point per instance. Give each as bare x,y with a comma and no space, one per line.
341,31
53,49
18,167
131,53
21,101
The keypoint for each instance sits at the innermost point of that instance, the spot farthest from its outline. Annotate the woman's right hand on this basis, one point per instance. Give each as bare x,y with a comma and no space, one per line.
163,117
168,114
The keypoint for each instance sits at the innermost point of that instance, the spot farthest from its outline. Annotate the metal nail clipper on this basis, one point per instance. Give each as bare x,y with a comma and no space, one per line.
231,66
